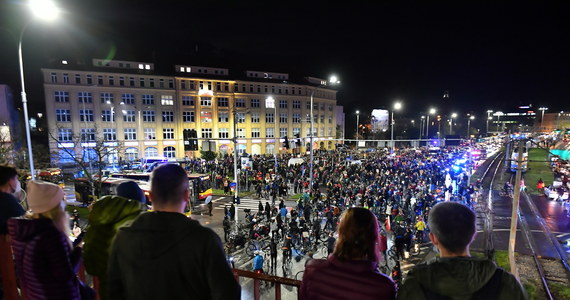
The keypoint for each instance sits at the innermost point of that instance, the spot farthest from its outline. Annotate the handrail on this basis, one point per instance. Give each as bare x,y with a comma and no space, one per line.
257,277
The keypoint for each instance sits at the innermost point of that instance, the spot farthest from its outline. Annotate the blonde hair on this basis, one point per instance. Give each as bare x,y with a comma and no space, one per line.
59,217
357,236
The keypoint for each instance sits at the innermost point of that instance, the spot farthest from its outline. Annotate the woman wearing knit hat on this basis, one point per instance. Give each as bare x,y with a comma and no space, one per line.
45,258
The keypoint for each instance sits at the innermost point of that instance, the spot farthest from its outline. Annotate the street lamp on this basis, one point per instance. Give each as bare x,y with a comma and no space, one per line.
453,115
431,112
469,124
542,109
397,106
488,118
357,121
46,10
422,120
270,103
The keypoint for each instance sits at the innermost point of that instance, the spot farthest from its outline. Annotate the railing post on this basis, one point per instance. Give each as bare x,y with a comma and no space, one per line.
256,291
277,291
7,269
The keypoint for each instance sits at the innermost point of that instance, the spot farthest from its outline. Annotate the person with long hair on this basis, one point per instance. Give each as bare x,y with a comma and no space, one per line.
350,272
46,261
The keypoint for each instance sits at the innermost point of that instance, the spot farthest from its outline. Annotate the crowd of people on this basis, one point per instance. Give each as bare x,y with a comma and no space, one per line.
158,254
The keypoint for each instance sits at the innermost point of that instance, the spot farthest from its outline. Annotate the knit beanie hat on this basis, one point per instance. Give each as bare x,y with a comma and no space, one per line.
43,196
131,190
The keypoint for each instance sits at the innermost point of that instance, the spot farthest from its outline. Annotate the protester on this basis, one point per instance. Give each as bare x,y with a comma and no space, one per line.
107,216
354,261
46,260
166,255
455,274
9,206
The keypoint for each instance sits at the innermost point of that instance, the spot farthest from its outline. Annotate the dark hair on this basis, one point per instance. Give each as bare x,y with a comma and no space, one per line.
7,173
357,235
168,184
131,190
453,224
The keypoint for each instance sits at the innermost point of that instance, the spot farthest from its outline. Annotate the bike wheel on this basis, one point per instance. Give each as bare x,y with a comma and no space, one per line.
250,249
299,275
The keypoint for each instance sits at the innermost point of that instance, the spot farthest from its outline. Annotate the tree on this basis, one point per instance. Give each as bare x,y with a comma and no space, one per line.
208,155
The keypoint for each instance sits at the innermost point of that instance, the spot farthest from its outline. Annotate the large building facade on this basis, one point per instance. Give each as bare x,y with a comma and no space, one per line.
124,102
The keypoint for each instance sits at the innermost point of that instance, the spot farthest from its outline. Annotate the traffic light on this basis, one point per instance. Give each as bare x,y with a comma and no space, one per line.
286,143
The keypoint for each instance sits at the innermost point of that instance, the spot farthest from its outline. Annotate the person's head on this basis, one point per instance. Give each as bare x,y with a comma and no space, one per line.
169,187
9,182
131,190
452,227
357,235
47,200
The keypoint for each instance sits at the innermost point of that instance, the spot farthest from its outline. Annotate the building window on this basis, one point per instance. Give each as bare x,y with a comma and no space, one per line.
171,83
65,157
330,130
283,132
308,131
201,85
61,96
169,152
223,117
240,132
330,107
150,133
218,86
65,78
315,106
168,133
269,132
223,102
77,79
322,118
188,116
99,79
209,85
223,133
255,117
109,134
166,100
89,79
269,118
296,131
122,81
282,118
296,118
322,106
240,117
322,132
53,77
308,106
206,133
128,98
255,133
282,103
131,154
106,98
86,115
330,119
206,101
240,102
296,104
151,82
129,116
111,80
226,87
107,116
148,116
148,99
254,103
87,134
206,116
167,116
187,100
130,134
192,85
151,152
141,82
84,97
131,81
65,135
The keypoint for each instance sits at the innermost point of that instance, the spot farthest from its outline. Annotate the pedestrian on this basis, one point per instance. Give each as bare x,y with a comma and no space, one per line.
210,207
9,205
232,211
165,242
273,253
45,258
354,260
452,229
107,215
331,241
226,226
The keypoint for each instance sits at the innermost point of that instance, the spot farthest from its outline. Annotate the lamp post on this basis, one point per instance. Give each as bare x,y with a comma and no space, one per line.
357,123
469,124
46,10
397,106
453,115
488,118
422,120
542,109
431,112
270,103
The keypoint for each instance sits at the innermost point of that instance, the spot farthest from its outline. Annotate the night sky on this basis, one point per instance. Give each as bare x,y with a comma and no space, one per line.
488,56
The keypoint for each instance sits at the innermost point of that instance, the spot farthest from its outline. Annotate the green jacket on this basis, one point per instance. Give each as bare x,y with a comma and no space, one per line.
108,214
457,278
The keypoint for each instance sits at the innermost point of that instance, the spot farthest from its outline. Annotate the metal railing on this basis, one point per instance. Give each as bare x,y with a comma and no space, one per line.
259,277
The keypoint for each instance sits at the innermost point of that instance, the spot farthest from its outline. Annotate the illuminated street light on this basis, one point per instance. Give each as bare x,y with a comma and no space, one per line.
542,109
431,112
46,10
469,124
453,115
488,118
397,106
357,121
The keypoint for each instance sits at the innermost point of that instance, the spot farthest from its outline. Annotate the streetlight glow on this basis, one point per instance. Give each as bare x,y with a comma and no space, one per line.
432,111
454,115
334,80
44,9
397,105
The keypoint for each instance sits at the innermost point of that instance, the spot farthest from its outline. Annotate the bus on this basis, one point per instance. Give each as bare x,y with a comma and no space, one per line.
84,192
515,158
200,187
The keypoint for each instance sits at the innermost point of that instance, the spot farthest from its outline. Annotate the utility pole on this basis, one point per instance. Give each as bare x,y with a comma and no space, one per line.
514,214
235,164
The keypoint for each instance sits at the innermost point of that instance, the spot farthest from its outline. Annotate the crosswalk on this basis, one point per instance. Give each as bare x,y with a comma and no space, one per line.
248,203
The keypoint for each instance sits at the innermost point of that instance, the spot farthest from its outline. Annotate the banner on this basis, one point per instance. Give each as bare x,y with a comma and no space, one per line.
380,120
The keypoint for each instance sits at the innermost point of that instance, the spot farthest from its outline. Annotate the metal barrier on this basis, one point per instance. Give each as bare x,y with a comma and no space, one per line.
258,277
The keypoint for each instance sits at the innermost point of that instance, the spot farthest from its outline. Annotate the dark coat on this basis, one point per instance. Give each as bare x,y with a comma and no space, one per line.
335,279
44,259
9,208
165,255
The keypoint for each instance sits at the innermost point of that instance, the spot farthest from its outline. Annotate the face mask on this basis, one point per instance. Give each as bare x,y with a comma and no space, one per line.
17,188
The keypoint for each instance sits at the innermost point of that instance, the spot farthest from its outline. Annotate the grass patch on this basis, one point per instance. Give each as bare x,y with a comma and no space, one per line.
559,290
531,289
296,196
502,259
538,168
478,254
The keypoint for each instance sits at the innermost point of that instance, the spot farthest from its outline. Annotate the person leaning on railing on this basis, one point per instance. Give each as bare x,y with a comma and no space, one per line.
351,271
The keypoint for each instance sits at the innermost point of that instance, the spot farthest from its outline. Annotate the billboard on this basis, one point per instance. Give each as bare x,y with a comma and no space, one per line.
380,120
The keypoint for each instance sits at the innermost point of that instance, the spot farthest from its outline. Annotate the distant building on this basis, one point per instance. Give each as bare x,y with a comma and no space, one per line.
553,121
9,118
340,122
125,101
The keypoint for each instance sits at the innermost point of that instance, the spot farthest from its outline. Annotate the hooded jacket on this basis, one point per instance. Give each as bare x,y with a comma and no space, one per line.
45,263
457,278
165,255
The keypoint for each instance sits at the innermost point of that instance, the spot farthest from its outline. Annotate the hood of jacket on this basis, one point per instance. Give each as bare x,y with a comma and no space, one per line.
112,209
454,276
25,229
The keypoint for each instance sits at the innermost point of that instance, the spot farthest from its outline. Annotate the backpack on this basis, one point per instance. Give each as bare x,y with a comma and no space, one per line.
490,291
